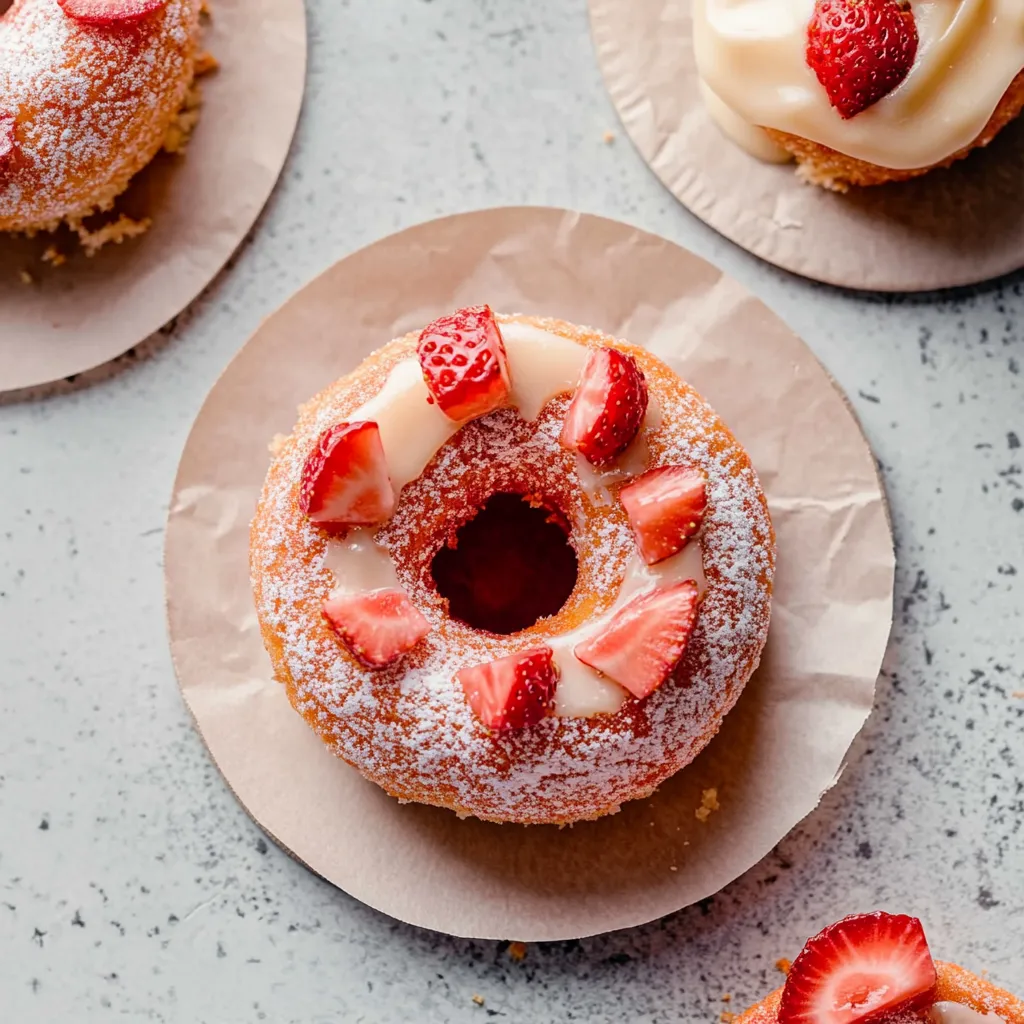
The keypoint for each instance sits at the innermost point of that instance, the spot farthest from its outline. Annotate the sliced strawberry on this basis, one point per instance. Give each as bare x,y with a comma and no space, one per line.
345,480
378,626
645,639
512,692
665,507
608,408
464,363
109,12
861,50
860,969
7,125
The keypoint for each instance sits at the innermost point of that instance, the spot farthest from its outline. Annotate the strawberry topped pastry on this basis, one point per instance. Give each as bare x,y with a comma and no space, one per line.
861,92
507,548
878,969
88,91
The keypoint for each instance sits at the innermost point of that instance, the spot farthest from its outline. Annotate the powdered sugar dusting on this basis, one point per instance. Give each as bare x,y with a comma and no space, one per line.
91,103
409,727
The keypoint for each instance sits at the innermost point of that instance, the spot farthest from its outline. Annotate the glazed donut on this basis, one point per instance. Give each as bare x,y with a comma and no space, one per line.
861,93
88,89
891,977
606,695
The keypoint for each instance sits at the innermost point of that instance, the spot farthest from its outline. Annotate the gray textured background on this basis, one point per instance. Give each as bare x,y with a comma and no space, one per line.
132,887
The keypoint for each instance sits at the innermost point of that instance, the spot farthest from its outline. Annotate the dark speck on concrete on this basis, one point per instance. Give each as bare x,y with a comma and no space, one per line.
864,850
986,900
44,825
261,845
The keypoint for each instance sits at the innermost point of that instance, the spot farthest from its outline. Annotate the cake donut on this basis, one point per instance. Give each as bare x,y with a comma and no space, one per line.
88,89
877,969
861,92
436,690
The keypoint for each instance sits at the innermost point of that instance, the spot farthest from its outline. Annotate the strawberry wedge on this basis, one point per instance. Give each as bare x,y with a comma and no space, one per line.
665,507
378,626
645,640
513,692
608,408
464,363
862,969
345,480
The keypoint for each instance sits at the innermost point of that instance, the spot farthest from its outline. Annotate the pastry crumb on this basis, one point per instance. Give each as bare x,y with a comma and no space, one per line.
708,803
205,63
114,233
673,868
479,1000
179,131
1019,694
726,1017
726,997
517,951
25,277
783,965
54,256
608,138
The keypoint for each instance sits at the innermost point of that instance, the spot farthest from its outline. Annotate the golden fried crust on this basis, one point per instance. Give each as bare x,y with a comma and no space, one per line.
92,105
408,727
956,985
823,166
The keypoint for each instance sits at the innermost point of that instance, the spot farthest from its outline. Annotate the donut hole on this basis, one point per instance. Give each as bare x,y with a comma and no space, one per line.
510,565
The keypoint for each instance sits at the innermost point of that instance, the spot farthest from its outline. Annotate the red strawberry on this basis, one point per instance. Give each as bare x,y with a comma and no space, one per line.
464,363
645,640
109,12
665,508
861,50
512,692
378,626
863,968
7,125
608,408
345,480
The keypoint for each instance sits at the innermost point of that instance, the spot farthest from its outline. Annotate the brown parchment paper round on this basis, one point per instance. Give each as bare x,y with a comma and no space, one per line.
949,228
779,750
81,314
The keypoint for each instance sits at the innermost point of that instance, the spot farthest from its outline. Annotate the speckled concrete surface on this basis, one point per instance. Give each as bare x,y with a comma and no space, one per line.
132,887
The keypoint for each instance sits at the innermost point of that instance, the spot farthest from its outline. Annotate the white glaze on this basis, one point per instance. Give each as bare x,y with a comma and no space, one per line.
596,481
957,1013
751,54
583,692
359,564
542,365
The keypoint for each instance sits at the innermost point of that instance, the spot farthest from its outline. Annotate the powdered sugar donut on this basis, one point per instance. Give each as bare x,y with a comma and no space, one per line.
88,89
410,627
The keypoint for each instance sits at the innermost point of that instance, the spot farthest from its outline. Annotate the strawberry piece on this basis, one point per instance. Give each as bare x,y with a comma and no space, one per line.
512,692
861,50
109,12
464,363
345,480
7,125
860,969
608,408
665,507
645,639
378,627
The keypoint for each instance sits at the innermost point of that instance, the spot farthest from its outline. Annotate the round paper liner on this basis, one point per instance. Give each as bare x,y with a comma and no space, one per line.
949,228
779,750
202,205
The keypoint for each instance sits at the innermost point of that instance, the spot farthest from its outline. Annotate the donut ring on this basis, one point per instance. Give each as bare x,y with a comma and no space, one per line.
85,107
408,727
956,985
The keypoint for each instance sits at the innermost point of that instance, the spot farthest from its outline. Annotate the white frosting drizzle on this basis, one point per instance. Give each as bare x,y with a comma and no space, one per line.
751,55
957,1013
542,365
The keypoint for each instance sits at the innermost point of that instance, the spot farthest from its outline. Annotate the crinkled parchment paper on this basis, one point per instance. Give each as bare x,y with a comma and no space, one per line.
779,750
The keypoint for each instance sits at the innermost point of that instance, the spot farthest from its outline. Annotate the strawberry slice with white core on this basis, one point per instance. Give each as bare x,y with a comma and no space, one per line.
7,124
345,480
378,626
464,363
665,507
109,12
861,969
608,408
513,692
644,640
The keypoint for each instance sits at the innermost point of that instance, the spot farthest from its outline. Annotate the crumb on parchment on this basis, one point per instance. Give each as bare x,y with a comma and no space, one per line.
517,951
708,803
25,277
115,233
54,256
